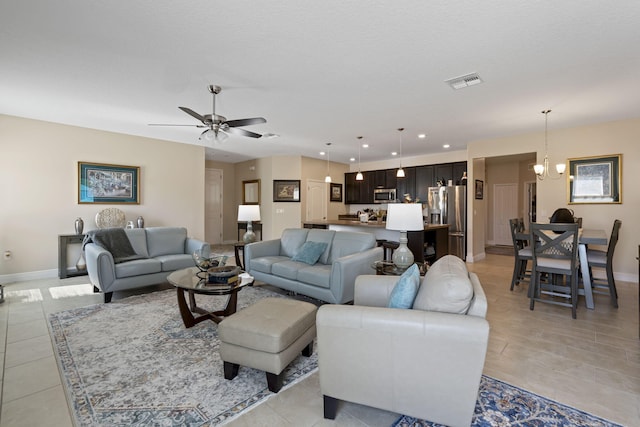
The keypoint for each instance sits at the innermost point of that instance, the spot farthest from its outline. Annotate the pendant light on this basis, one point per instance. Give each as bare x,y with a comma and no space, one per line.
542,171
400,173
328,177
359,176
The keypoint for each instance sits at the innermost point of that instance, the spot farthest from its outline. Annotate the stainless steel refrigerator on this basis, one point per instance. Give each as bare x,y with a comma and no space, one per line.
448,205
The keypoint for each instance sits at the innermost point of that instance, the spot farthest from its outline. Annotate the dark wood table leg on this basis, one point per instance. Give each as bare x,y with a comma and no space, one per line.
186,311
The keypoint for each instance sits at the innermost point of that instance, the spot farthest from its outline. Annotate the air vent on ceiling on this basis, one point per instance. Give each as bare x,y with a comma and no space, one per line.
464,81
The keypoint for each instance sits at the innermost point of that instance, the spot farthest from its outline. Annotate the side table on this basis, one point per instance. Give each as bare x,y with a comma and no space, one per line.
63,241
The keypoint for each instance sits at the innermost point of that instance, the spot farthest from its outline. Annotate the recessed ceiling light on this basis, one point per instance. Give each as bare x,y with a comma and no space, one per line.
446,146
353,159
365,145
422,135
394,153
322,153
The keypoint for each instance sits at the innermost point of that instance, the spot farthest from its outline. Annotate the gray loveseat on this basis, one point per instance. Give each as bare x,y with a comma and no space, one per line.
331,278
160,250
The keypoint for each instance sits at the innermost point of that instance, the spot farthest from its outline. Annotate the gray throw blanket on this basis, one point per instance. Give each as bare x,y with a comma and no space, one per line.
114,240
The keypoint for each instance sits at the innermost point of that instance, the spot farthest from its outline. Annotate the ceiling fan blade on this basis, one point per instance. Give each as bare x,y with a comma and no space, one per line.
192,113
246,122
242,132
166,124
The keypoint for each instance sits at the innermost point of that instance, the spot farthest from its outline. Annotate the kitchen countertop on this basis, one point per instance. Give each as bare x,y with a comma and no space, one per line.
371,224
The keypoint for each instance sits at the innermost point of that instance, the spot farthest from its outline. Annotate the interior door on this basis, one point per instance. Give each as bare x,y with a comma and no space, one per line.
505,207
316,200
213,206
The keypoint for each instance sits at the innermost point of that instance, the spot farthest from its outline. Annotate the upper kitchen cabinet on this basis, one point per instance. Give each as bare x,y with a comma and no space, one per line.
424,179
359,192
444,173
459,169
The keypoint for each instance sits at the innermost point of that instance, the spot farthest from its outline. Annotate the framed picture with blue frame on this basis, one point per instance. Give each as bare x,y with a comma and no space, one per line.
106,183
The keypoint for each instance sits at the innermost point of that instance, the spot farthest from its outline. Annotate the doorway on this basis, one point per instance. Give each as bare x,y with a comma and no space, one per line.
316,200
529,203
505,207
213,206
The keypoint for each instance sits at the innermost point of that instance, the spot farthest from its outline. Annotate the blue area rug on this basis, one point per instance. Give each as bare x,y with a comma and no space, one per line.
501,404
133,363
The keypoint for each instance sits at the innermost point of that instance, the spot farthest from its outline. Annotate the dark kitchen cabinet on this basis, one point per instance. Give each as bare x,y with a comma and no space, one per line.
459,168
424,179
391,180
359,191
406,185
444,172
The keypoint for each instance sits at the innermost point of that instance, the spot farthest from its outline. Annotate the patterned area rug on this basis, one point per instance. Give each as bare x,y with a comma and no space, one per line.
133,363
501,404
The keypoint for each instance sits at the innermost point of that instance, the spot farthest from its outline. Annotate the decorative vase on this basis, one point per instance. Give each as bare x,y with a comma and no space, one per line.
79,225
81,264
140,222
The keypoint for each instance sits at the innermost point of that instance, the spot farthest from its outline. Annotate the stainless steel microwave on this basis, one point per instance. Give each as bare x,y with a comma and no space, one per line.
384,195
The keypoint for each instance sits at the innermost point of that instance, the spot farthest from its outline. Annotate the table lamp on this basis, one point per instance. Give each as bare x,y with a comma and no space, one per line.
249,213
404,217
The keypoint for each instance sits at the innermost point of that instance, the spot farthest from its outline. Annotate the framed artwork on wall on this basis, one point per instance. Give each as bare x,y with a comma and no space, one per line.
479,189
105,183
595,180
286,190
251,192
335,192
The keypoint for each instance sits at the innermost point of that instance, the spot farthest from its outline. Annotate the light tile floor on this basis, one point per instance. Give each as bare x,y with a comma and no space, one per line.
592,363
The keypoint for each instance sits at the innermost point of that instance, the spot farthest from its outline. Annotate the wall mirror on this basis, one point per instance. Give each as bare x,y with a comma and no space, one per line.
251,192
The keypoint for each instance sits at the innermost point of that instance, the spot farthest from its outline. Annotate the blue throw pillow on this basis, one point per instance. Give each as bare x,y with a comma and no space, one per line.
405,291
310,252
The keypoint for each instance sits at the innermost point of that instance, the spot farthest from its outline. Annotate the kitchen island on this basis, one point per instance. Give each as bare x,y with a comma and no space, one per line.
429,244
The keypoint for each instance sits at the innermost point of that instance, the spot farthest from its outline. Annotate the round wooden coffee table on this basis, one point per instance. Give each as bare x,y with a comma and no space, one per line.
189,281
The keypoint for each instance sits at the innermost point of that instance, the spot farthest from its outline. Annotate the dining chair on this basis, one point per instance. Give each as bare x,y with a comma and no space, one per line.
556,255
522,251
578,220
604,259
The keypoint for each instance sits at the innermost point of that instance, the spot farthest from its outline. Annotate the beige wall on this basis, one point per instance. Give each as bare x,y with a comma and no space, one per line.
38,176
594,140
316,169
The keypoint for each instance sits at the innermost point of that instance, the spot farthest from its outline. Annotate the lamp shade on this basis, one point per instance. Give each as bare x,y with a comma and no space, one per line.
249,213
404,217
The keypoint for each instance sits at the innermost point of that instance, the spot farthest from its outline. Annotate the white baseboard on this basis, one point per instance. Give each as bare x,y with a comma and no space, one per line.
477,257
29,275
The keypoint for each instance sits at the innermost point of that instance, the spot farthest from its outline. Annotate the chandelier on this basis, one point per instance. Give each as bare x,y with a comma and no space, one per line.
542,170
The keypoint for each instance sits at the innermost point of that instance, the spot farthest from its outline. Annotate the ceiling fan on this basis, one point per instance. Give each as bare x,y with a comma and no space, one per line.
218,127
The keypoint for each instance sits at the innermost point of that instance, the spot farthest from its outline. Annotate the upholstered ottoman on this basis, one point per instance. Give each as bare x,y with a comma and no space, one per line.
267,335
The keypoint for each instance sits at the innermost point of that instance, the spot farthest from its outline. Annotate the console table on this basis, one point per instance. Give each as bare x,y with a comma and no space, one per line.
63,241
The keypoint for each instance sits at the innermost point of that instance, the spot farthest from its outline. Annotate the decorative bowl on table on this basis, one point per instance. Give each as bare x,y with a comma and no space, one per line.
204,263
224,274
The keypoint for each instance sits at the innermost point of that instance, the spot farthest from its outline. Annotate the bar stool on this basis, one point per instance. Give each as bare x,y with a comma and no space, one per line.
389,246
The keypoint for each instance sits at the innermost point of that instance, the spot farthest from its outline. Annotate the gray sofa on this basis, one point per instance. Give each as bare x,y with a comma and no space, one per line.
425,362
331,278
161,250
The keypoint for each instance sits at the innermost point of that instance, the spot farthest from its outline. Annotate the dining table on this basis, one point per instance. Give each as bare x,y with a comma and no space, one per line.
586,236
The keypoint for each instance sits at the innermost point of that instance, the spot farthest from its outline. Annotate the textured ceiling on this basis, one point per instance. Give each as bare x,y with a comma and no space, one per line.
321,71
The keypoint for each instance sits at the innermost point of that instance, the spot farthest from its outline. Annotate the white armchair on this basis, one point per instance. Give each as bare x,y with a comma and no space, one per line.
425,364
